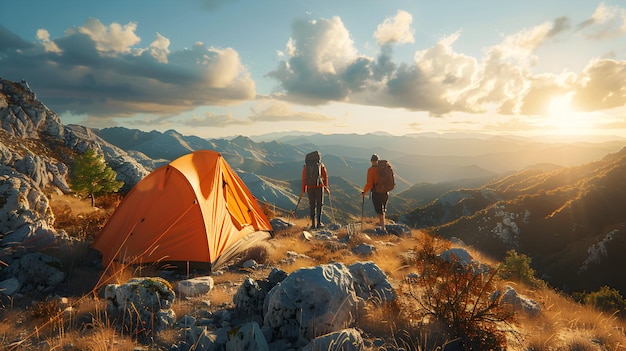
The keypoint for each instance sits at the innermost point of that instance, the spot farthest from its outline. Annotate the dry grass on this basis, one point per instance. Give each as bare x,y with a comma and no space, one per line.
563,324
566,325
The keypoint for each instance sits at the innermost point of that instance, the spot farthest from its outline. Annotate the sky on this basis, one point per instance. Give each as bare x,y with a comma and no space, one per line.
219,68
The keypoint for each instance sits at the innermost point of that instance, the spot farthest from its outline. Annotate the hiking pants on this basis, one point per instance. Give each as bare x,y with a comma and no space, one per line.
315,203
380,202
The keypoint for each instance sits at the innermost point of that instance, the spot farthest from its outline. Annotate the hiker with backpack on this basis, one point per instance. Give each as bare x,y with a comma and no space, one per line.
380,180
314,183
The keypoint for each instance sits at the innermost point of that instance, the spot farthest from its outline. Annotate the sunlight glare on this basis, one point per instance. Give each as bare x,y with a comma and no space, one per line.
563,118
560,110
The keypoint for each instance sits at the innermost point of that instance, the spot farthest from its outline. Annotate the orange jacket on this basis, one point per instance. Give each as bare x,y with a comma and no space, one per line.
324,175
372,179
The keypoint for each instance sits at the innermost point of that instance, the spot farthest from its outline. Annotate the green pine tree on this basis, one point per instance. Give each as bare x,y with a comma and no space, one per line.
91,175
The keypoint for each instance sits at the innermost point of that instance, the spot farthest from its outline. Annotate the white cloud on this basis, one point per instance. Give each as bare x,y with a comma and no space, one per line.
225,68
44,37
113,39
395,30
319,53
159,49
606,22
601,85
101,71
521,46
441,80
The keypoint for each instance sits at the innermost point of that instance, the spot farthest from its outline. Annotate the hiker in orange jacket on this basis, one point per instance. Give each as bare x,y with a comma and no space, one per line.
379,199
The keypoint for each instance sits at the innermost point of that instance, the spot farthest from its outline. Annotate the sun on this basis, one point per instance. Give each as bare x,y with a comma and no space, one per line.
560,111
563,118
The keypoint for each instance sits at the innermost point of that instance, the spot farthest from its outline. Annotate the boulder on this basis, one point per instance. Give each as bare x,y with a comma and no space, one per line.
462,257
398,229
458,255
9,287
37,271
371,283
279,224
249,298
195,286
142,304
364,249
251,294
519,302
311,302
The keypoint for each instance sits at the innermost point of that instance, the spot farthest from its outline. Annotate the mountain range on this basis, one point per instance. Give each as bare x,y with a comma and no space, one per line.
561,203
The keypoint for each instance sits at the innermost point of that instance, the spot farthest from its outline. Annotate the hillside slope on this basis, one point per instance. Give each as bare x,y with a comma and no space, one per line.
571,221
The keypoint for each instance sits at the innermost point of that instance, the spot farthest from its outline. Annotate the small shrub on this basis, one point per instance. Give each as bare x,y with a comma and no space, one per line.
259,254
517,266
109,201
606,299
459,298
84,226
46,310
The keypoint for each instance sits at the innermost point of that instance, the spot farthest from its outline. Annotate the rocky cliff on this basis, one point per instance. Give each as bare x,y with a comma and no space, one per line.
36,154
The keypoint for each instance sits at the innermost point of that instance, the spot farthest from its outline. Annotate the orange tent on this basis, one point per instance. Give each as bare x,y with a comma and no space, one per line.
195,209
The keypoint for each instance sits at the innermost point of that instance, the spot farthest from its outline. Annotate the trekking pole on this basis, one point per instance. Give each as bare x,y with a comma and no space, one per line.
362,206
332,211
296,209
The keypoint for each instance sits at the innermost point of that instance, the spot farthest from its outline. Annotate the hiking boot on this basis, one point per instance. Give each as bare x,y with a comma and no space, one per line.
380,230
320,225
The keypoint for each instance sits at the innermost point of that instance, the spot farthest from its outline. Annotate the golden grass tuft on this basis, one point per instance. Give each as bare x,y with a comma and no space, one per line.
564,324
222,295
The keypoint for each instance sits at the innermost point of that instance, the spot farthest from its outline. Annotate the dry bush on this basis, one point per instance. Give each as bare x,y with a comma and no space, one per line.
46,310
259,253
83,226
269,210
109,202
83,222
460,298
407,330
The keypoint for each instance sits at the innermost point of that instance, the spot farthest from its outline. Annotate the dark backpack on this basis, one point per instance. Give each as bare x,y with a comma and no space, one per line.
313,169
386,179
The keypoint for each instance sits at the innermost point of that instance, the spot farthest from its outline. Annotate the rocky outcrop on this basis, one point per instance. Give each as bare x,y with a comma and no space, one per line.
23,115
25,215
36,151
309,309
